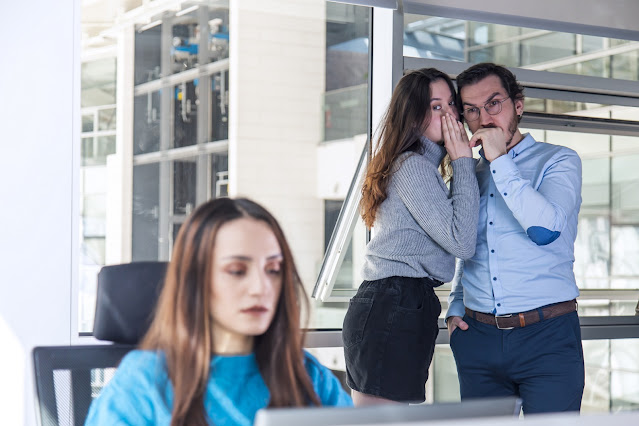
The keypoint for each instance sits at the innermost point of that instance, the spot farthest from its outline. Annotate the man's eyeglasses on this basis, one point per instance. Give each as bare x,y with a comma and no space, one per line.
491,107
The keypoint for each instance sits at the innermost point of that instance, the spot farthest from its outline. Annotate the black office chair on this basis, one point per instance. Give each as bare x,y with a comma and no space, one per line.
68,378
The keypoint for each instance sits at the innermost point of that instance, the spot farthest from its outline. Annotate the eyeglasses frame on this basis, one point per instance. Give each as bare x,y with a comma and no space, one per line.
501,107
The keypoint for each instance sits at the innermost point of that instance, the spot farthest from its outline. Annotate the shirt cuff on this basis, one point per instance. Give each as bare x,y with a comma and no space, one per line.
503,169
456,309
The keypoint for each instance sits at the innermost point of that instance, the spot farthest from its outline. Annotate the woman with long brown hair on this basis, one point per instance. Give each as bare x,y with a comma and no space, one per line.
419,226
226,339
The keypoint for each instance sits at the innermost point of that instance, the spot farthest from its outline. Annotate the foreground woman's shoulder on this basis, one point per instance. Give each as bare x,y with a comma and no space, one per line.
327,386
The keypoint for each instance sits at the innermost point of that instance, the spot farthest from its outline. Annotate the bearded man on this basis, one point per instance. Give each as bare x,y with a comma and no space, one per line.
512,314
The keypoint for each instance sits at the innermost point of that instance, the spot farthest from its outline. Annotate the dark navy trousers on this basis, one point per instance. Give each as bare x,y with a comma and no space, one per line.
541,363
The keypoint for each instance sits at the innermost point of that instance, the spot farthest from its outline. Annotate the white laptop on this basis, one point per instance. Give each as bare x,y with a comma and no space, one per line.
381,414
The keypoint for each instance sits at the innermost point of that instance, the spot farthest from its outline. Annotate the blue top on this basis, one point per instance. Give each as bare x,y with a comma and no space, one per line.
529,203
140,392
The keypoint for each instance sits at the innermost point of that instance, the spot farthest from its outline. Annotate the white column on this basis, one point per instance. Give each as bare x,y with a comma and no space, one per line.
39,173
277,79
120,165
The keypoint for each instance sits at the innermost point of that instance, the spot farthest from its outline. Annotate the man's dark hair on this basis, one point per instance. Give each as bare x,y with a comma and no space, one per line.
480,71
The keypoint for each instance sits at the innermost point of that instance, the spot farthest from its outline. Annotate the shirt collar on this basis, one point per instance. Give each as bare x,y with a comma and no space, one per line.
434,152
524,144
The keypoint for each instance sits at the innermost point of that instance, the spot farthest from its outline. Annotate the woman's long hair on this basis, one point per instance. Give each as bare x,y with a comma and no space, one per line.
181,327
407,117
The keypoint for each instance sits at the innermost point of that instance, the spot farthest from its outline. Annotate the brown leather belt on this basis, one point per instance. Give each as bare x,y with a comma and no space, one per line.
523,319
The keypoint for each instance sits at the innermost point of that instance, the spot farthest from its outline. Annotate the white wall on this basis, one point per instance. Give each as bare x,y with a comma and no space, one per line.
39,81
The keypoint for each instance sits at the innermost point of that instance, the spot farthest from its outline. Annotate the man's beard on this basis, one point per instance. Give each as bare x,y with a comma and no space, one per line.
512,128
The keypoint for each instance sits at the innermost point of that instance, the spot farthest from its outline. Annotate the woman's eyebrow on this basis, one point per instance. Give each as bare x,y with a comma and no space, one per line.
249,258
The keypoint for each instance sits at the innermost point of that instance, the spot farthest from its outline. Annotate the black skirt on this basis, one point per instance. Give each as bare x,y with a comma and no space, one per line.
389,337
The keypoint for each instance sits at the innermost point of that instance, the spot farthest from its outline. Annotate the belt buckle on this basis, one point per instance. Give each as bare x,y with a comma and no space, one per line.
503,316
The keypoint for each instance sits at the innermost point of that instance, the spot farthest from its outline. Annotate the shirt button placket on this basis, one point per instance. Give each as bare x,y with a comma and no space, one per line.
493,269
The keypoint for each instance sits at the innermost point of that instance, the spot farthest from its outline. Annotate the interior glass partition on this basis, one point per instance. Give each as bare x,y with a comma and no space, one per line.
594,113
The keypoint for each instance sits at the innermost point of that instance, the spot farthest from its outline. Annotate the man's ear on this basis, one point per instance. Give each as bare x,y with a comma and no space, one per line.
519,107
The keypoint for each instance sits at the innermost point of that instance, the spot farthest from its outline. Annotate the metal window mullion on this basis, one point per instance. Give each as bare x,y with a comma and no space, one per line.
341,233
503,41
203,107
182,152
565,123
567,95
182,77
92,109
166,127
388,4
610,219
592,328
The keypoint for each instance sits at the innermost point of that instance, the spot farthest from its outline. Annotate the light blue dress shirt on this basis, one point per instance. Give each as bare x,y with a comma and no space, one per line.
140,392
529,204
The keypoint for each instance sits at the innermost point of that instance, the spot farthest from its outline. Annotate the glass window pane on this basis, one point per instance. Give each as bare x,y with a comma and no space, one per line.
345,112
105,147
106,119
87,122
625,66
185,43
219,123
592,43
547,48
474,42
596,68
185,102
219,176
98,82
146,123
87,151
199,26
607,243
482,33
148,54
146,207
184,176
507,54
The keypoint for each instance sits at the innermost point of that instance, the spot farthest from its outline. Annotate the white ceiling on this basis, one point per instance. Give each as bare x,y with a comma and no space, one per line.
99,15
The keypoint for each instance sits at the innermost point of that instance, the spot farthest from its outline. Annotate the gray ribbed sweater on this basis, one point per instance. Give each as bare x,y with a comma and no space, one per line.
422,226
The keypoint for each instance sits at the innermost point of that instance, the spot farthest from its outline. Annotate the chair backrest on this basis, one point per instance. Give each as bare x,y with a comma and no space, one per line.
127,295
68,378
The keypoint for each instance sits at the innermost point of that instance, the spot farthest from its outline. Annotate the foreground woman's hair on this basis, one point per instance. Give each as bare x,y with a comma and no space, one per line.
182,324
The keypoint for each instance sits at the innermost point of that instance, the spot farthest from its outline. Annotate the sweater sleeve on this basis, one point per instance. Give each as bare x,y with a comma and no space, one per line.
328,388
124,400
450,221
